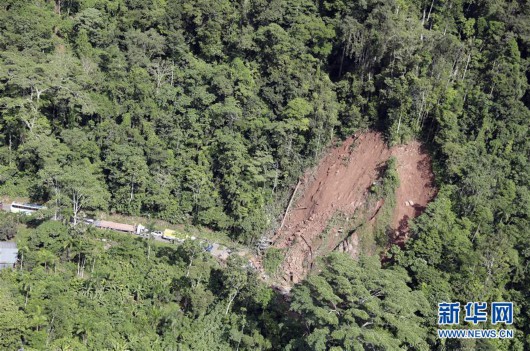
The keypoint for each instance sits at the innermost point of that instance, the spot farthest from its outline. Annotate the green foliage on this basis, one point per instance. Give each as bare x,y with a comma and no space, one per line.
191,111
77,290
386,189
13,322
8,227
204,112
272,260
352,305
389,181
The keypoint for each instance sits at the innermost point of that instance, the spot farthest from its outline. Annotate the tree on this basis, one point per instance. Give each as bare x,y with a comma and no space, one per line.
352,305
8,227
84,189
128,176
14,322
205,112
235,279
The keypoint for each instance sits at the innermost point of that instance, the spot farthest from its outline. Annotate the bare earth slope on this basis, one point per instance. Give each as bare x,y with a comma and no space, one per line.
416,186
340,185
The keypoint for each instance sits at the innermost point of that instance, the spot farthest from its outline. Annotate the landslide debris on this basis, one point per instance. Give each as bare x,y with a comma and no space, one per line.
334,199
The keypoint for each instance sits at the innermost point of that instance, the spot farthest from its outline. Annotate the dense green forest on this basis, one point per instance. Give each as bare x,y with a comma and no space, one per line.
205,113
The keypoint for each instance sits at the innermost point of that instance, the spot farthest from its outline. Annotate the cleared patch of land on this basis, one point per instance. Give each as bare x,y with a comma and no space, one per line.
334,199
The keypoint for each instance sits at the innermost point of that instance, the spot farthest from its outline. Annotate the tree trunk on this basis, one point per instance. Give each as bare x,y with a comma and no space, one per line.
189,266
343,54
76,206
467,64
430,10
131,196
56,190
10,150
289,205
57,8
230,302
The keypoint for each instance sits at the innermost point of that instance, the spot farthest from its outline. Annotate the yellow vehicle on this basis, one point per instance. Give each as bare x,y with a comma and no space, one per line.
169,234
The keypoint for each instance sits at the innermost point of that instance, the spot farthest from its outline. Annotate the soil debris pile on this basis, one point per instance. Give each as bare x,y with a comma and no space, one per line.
416,186
339,187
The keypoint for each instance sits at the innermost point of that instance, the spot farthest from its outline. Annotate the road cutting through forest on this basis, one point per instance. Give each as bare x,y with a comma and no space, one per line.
335,194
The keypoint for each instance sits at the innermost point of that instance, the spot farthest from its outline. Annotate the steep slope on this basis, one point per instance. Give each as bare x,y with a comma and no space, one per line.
335,199
416,186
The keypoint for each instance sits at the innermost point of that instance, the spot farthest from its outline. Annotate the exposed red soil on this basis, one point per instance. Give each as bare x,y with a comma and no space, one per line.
416,188
340,184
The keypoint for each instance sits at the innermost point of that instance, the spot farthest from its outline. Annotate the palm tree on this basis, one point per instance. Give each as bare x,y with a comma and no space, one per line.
120,345
38,318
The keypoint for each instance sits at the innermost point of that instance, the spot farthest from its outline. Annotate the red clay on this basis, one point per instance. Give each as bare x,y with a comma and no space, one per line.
416,188
340,184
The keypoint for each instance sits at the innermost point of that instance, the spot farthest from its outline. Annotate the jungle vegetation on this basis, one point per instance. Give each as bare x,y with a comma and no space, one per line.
206,112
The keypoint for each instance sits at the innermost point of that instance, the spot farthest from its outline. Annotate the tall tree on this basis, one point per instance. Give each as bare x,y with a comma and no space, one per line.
358,305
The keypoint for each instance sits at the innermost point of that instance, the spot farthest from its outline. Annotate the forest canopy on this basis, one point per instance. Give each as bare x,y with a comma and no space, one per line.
205,113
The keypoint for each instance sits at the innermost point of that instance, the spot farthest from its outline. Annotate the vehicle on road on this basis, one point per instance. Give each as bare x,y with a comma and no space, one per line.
27,209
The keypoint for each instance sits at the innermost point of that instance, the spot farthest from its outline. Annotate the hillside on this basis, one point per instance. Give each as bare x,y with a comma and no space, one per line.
403,126
335,199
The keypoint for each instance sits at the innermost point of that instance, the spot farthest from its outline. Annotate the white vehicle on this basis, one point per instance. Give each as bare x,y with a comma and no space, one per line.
26,208
140,229
89,221
157,233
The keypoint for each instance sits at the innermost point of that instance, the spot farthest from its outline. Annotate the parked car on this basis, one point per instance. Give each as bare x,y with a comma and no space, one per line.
89,221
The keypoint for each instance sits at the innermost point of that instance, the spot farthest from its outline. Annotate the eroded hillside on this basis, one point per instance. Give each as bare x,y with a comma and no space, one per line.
335,199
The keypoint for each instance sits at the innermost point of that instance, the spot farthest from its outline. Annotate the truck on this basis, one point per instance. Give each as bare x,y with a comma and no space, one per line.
169,234
119,227
26,208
